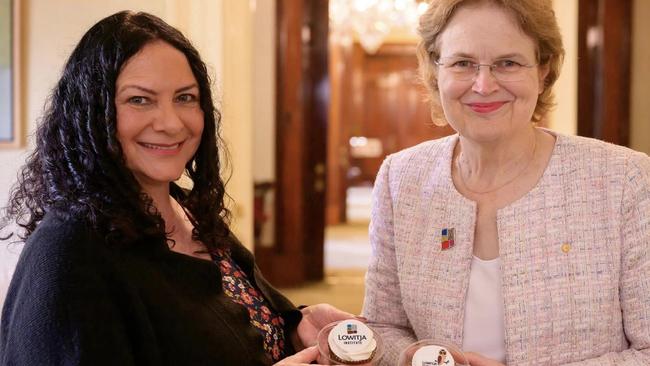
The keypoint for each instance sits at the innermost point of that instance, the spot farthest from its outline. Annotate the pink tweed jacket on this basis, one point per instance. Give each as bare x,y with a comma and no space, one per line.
575,256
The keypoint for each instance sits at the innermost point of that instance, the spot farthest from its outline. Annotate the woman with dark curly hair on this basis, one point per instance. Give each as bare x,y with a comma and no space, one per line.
121,266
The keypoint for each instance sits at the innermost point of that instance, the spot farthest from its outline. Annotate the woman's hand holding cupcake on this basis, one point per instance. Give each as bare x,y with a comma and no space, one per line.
314,318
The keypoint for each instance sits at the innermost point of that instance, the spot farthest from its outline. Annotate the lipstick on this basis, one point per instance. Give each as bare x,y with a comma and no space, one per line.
485,107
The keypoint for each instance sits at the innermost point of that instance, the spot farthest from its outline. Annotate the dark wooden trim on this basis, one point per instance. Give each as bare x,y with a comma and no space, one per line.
301,126
283,262
316,100
587,69
337,163
604,52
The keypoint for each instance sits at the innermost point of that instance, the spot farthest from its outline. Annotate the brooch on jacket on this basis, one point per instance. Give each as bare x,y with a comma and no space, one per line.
447,238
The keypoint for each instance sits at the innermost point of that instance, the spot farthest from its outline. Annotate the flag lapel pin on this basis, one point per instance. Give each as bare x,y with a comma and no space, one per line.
447,238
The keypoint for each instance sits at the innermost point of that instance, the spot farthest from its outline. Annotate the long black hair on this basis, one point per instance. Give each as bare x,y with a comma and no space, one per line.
78,168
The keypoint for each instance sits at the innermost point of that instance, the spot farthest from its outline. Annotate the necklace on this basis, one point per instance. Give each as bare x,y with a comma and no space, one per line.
521,172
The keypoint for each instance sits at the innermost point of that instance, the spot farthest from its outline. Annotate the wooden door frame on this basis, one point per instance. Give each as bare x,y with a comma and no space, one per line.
316,96
302,97
346,72
604,59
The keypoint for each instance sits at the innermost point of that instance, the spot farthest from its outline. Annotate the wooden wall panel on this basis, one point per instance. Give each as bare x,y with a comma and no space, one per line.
380,97
604,46
302,96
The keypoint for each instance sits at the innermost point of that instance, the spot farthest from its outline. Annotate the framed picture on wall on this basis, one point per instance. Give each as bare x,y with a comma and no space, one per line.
10,126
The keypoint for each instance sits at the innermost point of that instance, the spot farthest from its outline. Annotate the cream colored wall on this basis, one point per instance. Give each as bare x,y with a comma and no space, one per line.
564,118
201,21
264,91
639,106
237,110
51,29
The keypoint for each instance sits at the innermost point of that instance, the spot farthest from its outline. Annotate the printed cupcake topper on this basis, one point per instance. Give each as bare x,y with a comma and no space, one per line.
351,342
432,356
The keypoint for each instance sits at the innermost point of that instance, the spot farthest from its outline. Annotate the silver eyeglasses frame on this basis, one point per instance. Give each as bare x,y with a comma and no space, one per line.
477,66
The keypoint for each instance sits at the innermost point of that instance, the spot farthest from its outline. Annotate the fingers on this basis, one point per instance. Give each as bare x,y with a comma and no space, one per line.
303,357
325,313
337,314
476,359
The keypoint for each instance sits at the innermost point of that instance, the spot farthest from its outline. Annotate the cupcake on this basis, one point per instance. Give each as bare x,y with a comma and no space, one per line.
351,342
432,355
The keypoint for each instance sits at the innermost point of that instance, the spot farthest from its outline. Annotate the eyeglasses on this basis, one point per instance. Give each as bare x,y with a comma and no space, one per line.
502,70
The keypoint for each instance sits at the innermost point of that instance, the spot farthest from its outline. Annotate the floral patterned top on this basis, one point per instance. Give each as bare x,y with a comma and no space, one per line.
264,319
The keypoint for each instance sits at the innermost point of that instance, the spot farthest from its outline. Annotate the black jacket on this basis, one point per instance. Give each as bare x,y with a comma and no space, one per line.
74,300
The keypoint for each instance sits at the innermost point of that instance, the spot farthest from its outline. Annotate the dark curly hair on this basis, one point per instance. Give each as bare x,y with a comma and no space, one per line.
78,169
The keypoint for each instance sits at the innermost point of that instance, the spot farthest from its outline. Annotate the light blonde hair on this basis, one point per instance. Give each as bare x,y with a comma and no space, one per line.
536,19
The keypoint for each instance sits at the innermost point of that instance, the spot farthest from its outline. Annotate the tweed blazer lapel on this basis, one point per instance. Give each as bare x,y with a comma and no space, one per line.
434,279
574,263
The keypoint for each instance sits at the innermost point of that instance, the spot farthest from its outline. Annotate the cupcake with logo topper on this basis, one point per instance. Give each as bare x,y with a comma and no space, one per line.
430,352
350,342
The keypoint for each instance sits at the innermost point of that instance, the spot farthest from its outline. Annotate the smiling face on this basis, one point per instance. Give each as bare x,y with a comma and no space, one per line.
484,108
159,117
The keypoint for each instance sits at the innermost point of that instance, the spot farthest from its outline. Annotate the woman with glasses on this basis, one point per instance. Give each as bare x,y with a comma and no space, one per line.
121,266
516,243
